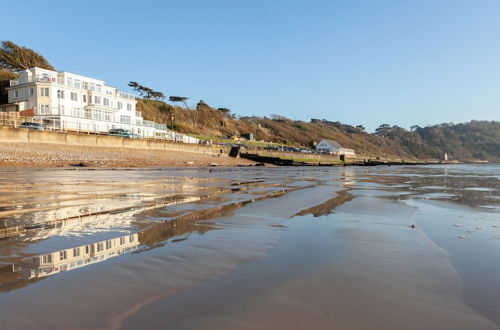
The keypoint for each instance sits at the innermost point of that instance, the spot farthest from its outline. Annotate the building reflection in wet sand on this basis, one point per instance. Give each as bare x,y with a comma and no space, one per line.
79,256
47,264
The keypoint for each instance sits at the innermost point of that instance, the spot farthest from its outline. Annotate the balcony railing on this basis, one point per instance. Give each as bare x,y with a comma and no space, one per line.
160,126
97,116
60,81
28,80
127,96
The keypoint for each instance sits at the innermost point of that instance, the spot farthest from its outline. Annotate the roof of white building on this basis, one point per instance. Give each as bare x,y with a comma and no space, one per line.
332,143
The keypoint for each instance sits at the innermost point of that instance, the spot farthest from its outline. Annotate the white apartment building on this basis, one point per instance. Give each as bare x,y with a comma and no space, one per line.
72,102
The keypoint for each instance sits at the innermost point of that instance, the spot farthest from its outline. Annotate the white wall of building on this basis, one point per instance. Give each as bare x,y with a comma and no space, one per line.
327,146
76,99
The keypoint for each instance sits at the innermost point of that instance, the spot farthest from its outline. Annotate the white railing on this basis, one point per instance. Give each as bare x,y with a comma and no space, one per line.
51,111
62,82
94,116
127,96
31,79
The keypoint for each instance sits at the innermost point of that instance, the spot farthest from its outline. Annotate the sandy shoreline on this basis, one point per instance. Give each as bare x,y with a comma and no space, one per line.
369,275
301,248
54,155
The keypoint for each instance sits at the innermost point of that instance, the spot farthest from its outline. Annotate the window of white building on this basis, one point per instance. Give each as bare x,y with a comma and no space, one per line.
76,252
60,94
98,88
47,258
63,255
129,107
76,112
105,101
97,99
77,83
119,105
84,98
97,114
88,113
44,91
125,119
74,96
44,108
92,86
109,245
107,115
69,82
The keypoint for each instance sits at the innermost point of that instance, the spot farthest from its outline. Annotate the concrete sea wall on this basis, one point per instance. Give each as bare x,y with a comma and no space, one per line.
25,135
295,155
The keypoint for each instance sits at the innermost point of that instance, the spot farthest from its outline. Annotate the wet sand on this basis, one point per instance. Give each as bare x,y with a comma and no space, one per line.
273,248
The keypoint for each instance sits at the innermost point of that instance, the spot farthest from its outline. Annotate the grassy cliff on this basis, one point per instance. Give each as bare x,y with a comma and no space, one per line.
477,140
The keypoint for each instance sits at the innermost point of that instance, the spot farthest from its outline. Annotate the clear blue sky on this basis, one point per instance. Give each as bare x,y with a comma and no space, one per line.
359,62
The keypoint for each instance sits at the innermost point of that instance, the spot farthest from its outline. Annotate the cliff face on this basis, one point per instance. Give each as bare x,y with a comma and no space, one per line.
477,140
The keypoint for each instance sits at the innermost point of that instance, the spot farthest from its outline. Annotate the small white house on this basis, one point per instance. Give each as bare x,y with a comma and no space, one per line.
333,147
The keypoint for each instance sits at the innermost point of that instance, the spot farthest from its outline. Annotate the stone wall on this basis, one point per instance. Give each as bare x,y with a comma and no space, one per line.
25,135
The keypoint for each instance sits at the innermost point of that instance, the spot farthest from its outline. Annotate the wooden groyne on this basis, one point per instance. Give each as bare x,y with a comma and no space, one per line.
278,161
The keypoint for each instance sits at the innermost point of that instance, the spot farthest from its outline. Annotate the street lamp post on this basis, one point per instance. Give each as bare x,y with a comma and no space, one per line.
59,107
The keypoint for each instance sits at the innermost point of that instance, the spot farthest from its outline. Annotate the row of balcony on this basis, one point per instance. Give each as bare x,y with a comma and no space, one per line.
98,115
60,81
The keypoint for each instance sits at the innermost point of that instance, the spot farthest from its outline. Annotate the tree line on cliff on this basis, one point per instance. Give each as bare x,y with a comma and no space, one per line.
467,141
475,140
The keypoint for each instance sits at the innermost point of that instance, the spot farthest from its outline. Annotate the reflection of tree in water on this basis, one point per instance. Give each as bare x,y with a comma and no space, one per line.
10,280
184,225
327,207
157,235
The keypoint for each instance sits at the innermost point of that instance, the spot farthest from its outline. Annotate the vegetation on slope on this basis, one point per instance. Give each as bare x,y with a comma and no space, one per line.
16,58
477,140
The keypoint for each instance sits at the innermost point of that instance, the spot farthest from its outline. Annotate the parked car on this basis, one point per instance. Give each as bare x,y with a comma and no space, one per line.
113,131
121,132
31,125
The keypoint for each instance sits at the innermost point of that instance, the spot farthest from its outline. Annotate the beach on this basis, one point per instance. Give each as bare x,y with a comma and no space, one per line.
59,155
251,248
